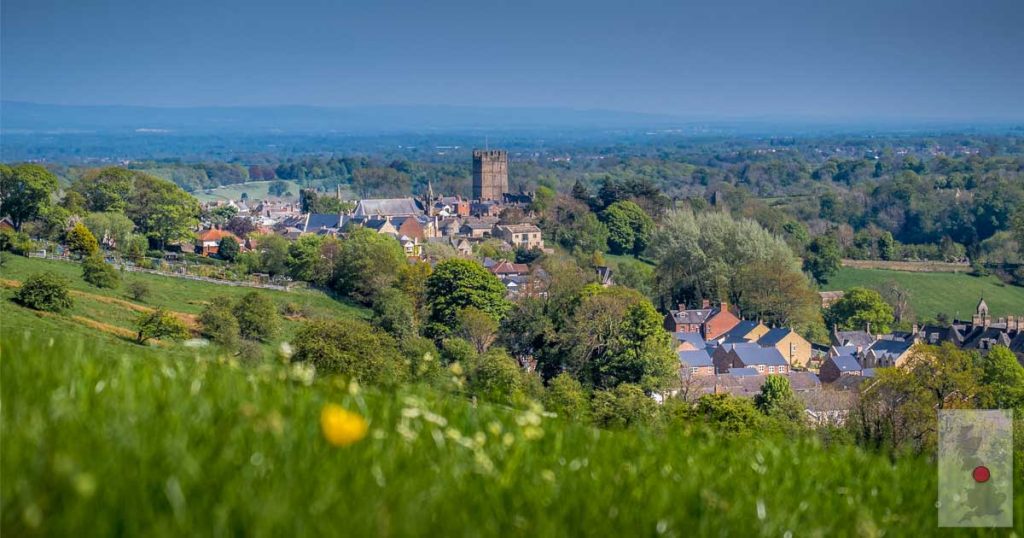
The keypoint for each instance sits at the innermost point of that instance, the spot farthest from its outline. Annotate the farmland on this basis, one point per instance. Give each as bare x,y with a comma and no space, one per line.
954,294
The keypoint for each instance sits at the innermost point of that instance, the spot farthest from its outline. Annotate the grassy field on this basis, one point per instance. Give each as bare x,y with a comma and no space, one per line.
932,293
105,313
255,190
99,442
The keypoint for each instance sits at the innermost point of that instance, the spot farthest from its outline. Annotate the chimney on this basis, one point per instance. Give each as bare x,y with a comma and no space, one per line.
867,328
705,304
723,306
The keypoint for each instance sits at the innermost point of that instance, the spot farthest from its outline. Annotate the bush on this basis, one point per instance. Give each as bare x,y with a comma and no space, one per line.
257,317
218,323
566,398
350,348
16,242
497,378
100,273
159,324
625,405
81,241
45,291
138,290
228,248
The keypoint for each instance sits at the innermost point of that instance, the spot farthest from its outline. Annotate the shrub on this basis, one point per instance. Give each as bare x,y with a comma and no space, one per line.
257,317
100,273
16,242
228,248
159,324
45,291
625,405
81,241
497,378
218,322
350,348
566,398
138,290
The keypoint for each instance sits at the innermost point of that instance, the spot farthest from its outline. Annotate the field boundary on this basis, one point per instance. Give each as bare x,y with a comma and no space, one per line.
909,266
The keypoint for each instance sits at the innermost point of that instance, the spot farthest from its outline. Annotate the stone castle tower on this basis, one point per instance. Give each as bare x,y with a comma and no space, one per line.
490,174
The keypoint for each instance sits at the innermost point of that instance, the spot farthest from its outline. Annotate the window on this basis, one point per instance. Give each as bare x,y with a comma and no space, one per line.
771,369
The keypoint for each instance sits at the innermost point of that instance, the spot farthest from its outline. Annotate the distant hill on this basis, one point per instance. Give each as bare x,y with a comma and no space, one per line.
18,116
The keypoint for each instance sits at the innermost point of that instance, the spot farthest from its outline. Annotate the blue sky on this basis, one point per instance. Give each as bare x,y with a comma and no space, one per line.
805,59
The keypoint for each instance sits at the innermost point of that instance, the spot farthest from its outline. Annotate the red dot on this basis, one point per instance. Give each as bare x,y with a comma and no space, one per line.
981,474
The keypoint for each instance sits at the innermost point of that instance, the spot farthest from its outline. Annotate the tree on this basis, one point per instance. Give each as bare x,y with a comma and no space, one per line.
45,291
159,324
1003,377
110,226
566,398
497,378
228,248
161,209
625,405
731,414
221,215
100,273
272,253
306,260
860,309
476,327
776,399
350,348
367,263
25,191
636,275
257,317
887,246
107,189
81,241
457,284
277,188
393,312
898,298
524,331
629,228
138,290
823,258
218,322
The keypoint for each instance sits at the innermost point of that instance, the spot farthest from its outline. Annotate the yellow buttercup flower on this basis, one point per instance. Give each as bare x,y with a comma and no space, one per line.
340,426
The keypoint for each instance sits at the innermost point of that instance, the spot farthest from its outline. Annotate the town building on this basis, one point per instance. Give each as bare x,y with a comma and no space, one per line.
527,236
793,347
711,322
490,174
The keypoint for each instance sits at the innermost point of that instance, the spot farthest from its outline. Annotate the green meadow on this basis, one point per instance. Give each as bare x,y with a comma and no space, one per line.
257,190
108,313
955,294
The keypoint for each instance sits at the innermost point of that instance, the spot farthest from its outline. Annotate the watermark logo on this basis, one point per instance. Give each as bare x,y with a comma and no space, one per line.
975,468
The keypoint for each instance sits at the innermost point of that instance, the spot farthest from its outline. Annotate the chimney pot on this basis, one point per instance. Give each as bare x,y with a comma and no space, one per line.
705,304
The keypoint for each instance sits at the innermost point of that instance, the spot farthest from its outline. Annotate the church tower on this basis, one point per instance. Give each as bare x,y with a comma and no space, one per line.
490,174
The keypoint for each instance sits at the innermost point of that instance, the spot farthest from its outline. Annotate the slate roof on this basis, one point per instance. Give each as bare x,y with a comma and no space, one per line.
846,363
693,339
737,333
317,221
845,350
774,336
388,207
692,316
755,355
890,348
856,338
743,372
696,358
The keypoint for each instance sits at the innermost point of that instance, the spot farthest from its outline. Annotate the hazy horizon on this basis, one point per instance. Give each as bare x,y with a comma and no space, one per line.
916,60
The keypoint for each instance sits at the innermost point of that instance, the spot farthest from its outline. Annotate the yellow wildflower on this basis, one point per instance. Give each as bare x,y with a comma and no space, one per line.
340,426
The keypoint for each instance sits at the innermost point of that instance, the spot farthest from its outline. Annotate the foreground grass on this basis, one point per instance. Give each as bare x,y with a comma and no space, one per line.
931,293
100,442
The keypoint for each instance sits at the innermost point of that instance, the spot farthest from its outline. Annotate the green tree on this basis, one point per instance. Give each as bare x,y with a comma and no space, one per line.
218,322
497,378
81,241
566,397
476,327
350,348
110,225
636,275
161,209
629,228
730,414
859,309
138,290
625,405
367,263
25,191
823,258
393,312
257,316
887,246
228,248
159,324
307,260
45,291
107,189
100,273
1003,377
457,284
777,399
272,252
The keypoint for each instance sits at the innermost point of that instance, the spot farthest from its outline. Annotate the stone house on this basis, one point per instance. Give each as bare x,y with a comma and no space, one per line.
795,348
710,322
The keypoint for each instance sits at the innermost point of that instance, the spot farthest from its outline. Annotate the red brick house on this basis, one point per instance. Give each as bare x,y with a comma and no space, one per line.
711,322
208,241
